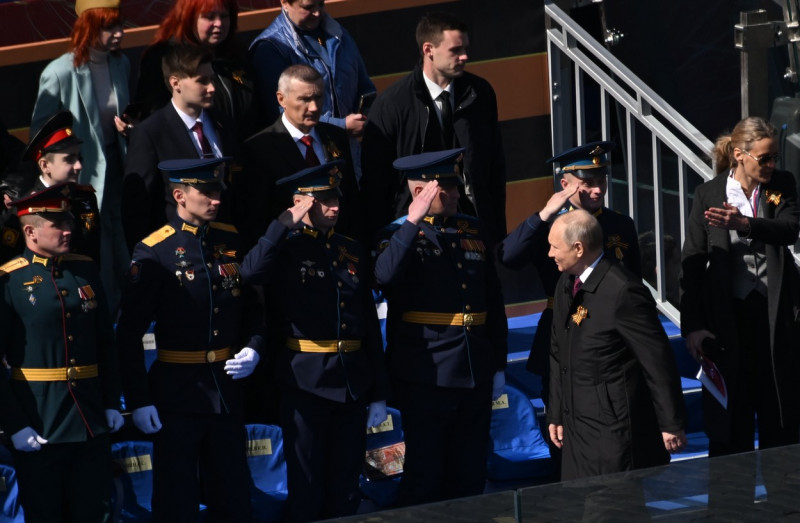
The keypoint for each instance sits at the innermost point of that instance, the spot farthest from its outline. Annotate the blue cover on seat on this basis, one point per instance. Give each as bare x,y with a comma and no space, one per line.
268,487
11,510
518,450
133,480
382,490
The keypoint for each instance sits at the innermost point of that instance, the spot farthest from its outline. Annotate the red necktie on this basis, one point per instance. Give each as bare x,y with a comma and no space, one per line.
311,156
576,286
204,145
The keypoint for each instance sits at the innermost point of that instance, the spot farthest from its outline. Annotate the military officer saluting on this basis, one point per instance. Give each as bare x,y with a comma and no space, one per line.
584,182
330,365
186,277
57,153
446,332
61,398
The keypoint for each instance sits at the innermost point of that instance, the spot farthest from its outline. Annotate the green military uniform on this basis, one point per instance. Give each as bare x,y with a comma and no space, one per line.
57,338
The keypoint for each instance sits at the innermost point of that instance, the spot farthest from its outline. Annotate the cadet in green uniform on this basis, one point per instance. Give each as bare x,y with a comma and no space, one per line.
57,153
61,398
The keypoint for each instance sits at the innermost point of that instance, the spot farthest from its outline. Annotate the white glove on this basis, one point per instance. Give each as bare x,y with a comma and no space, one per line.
376,413
146,419
27,440
114,419
243,363
498,384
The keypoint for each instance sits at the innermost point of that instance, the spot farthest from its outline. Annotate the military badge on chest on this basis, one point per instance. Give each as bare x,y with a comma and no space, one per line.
88,299
474,250
183,266
230,277
307,269
31,286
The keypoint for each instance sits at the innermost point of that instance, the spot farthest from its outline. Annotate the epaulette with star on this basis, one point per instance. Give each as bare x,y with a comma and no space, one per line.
13,265
159,236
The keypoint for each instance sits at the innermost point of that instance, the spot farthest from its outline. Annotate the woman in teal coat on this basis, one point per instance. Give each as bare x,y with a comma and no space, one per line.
91,81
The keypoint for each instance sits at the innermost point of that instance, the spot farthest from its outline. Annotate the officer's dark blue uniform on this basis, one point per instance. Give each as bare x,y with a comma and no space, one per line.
57,337
186,277
528,242
330,362
446,338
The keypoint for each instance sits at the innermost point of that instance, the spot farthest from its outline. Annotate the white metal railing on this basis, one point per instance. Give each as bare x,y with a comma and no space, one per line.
586,79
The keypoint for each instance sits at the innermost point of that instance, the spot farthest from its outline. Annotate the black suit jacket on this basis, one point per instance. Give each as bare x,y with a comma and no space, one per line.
272,154
146,202
614,385
707,301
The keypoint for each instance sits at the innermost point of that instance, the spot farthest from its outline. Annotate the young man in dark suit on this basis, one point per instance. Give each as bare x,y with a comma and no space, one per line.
280,150
187,127
615,395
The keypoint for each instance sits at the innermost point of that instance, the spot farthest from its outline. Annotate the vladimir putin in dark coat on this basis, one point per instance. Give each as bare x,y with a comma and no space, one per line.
615,395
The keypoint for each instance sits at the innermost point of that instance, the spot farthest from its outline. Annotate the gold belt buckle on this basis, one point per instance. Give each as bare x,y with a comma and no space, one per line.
72,373
211,356
342,345
468,319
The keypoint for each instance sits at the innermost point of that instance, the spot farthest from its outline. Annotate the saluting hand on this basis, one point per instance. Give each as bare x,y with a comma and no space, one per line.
557,202
295,214
422,202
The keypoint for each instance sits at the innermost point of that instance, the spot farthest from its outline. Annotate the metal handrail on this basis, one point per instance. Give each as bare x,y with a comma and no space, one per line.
573,55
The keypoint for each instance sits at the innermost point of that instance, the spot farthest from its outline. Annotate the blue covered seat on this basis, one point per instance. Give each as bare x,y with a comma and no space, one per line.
518,450
10,508
383,466
132,480
268,488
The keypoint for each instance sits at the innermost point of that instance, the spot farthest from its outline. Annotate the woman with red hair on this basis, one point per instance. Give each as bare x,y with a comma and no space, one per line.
211,24
91,81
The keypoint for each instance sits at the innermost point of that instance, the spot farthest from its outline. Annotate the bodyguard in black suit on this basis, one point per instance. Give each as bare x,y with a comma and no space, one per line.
60,399
185,276
278,151
330,354
615,395
446,333
169,134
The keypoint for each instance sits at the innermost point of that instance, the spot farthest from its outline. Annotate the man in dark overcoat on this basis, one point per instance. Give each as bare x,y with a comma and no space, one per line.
615,395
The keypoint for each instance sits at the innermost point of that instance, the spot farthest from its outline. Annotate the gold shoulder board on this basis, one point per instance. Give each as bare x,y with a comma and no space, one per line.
159,235
13,265
223,226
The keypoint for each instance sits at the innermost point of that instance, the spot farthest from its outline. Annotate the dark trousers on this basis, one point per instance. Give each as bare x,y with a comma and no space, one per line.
754,397
325,443
755,394
66,481
194,451
447,435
